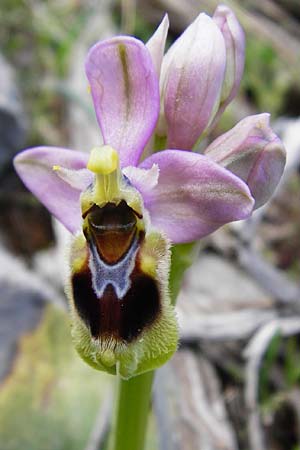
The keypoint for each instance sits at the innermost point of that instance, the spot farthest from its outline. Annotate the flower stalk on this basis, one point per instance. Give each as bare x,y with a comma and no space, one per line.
131,413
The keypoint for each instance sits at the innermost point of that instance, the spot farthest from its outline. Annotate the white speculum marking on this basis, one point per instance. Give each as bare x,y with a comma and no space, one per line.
118,275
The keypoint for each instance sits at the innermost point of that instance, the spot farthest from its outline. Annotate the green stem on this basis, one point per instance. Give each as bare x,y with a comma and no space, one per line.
183,255
132,408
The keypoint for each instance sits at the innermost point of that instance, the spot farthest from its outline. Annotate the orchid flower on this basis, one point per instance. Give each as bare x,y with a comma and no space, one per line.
124,211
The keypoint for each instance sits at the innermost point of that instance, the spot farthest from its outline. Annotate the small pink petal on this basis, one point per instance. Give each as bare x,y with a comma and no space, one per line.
125,91
142,179
194,196
58,193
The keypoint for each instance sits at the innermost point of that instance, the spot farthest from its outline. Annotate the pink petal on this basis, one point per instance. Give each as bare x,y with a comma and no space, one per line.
157,42
60,196
142,179
194,196
125,91
234,38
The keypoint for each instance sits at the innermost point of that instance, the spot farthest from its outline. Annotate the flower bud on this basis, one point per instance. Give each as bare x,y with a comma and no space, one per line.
191,82
235,52
253,152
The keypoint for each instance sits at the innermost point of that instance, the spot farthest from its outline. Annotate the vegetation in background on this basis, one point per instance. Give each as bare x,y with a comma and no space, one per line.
37,38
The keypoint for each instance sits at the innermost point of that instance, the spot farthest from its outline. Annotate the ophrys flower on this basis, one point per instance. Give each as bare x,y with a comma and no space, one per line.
125,211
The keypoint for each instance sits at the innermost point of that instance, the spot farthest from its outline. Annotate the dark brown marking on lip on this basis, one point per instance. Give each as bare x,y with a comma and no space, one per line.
112,229
109,317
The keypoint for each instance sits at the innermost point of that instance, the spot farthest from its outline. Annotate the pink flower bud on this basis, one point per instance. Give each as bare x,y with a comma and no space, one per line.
253,152
235,52
191,82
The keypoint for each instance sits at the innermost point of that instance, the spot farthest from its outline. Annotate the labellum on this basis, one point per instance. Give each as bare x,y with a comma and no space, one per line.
122,318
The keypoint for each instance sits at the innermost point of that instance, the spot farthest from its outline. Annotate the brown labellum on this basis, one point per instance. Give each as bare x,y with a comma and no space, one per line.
113,232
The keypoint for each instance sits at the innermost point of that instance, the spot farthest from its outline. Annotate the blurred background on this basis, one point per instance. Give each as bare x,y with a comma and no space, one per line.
234,384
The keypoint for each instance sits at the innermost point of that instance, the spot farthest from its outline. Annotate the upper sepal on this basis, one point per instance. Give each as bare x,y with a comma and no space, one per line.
125,92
